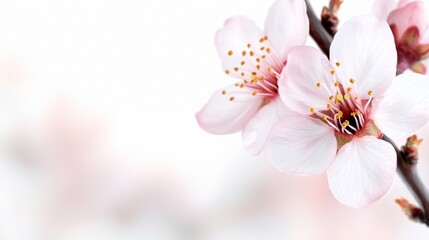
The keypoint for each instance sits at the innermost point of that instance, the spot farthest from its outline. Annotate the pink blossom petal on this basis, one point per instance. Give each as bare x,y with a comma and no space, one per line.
229,112
232,40
300,145
402,3
362,172
257,130
287,26
405,107
366,50
412,14
306,68
382,8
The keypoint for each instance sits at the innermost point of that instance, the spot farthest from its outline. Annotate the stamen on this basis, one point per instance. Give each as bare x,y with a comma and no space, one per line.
244,53
338,64
223,92
231,99
332,72
230,52
352,81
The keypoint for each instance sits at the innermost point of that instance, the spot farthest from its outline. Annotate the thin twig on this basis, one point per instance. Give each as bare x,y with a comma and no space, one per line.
317,31
408,171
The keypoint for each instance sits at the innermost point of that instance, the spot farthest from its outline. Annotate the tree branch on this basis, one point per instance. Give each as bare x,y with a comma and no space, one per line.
407,170
317,31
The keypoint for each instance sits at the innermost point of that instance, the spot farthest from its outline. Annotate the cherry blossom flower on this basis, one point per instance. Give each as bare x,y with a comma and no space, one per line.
345,106
256,58
409,23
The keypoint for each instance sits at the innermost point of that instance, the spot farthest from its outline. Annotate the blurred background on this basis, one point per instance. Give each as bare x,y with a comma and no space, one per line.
98,138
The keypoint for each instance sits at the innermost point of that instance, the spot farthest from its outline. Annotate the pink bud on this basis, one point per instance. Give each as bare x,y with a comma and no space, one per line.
411,16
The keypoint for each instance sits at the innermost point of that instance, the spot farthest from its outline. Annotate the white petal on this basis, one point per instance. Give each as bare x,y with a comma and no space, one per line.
306,67
257,130
231,41
405,107
366,50
300,145
222,116
362,172
287,25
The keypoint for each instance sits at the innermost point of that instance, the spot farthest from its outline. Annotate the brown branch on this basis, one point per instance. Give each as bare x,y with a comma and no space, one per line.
317,31
406,167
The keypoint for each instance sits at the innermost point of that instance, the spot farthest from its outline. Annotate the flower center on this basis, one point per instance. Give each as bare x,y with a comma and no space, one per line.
345,111
258,67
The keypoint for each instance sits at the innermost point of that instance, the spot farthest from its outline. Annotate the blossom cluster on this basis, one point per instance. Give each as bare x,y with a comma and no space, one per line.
309,114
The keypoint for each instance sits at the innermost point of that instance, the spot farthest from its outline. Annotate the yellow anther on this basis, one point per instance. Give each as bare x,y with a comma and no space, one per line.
254,78
352,81
242,85
254,73
332,72
318,84
261,40
262,48
338,64
328,106
242,63
324,118
244,53
236,69
331,97
336,84
249,45
340,96
223,92
231,99
251,53
369,93
227,71
263,56
346,96
268,50
230,52
237,85
258,66
265,38
339,115
269,69
258,60
242,74
349,89
312,110
356,98
345,124
254,93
